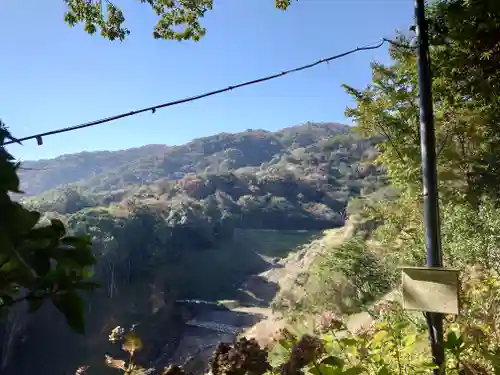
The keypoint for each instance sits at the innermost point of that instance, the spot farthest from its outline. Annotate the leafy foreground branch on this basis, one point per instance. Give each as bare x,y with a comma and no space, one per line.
39,262
177,20
395,343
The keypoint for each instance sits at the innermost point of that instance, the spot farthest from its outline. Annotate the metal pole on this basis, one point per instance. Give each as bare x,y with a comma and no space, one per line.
429,175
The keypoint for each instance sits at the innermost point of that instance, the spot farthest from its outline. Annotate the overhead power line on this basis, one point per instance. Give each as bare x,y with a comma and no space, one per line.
39,137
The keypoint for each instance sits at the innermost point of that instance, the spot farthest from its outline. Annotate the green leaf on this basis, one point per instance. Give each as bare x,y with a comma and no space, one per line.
324,370
40,262
6,300
9,178
35,304
42,232
58,227
348,341
401,326
7,246
26,220
409,340
71,305
429,365
77,241
383,370
356,370
453,341
333,361
81,256
380,336
10,266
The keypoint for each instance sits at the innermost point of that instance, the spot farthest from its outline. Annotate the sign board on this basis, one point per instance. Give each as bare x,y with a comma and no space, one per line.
431,289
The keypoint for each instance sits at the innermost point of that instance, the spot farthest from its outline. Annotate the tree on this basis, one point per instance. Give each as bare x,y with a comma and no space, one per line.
39,262
178,19
466,92
467,61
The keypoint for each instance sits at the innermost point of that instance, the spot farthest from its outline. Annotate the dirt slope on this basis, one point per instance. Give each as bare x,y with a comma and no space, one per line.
286,276
259,290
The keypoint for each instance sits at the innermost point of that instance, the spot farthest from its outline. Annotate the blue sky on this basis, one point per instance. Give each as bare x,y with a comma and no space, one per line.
52,76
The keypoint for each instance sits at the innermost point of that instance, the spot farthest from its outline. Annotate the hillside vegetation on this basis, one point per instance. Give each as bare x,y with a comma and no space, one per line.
188,222
235,217
300,177
221,153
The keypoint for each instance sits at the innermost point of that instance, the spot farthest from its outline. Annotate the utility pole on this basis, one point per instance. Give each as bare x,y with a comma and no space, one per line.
429,176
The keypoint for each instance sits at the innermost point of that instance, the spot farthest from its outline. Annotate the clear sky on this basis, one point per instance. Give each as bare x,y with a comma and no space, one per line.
52,76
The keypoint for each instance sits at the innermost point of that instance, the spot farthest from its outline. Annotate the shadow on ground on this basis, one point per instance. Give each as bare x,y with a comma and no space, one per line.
221,272
232,271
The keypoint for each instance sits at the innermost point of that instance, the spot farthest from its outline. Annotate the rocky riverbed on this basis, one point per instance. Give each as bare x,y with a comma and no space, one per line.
256,319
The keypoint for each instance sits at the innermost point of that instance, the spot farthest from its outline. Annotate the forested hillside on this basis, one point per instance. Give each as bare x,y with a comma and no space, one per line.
303,175
107,171
159,215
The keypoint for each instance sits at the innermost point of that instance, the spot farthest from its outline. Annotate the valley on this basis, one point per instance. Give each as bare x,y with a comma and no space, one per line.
260,251
232,217
242,318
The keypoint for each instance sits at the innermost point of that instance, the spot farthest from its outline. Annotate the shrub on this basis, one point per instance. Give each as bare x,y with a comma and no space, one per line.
362,268
344,279
394,343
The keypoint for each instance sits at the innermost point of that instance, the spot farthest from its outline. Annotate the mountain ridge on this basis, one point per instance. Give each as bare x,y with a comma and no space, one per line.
170,162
